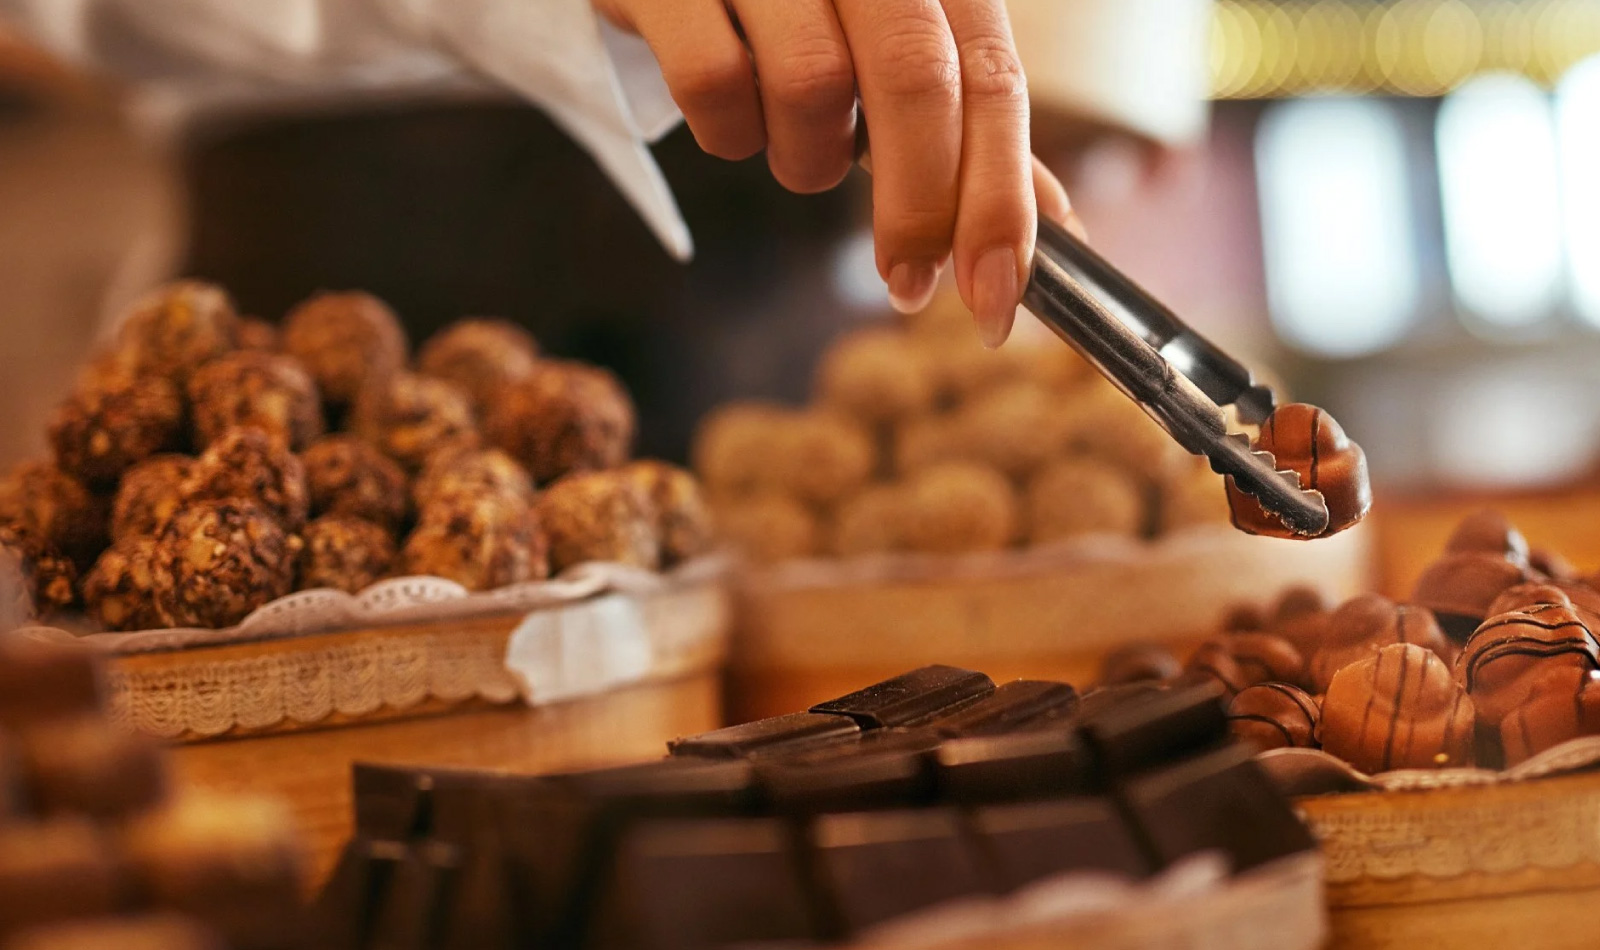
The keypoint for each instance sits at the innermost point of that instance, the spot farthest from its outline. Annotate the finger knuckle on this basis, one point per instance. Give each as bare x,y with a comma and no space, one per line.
919,63
814,80
710,82
992,71
920,226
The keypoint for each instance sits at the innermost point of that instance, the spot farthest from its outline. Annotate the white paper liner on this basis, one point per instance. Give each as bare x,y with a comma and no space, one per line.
1315,772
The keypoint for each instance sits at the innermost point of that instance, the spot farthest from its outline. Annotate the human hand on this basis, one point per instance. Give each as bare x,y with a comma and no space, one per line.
942,88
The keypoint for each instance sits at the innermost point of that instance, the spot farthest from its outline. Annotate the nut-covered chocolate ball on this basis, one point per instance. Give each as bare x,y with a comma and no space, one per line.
956,507
876,375
1191,495
345,340
479,356
120,593
344,553
480,544
1079,495
1364,625
247,463
1307,441
1505,657
148,496
1563,703
410,417
682,518
257,334
872,521
925,440
1013,428
566,417
38,580
115,421
1267,658
1214,659
176,329
733,447
56,508
1398,709
1138,663
471,474
821,458
599,516
268,391
346,476
1274,716
768,527
217,561
1098,419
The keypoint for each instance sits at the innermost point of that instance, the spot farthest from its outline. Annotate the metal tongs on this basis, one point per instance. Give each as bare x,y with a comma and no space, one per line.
1177,376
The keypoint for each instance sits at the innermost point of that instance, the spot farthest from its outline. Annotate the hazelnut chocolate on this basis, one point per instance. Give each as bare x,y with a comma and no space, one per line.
42,580
1501,663
480,544
1307,441
114,422
872,521
247,464
819,457
409,417
599,516
219,560
957,507
56,508
120,593
344,553
734,445
268,391
1563,703
149,496
345,476
566,417
768,527
1078,496
253,333
1363,625
480,356
1266,658
1398,709
682,520
1274,716
176,329
346,341
471,474
876,375
1138,662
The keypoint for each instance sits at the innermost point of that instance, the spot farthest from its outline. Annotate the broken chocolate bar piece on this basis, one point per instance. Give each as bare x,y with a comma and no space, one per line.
1156,726
778,734
876,866
1014,767
911,698
1028,841
887,768
1020,704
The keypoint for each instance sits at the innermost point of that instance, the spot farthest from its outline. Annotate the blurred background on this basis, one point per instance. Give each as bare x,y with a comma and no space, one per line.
1396,206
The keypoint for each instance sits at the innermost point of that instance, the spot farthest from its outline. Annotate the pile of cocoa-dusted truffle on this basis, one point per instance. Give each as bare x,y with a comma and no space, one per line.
918,439
206,464
1495,659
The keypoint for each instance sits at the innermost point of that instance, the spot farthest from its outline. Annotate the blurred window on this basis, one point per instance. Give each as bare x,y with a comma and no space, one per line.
1578,119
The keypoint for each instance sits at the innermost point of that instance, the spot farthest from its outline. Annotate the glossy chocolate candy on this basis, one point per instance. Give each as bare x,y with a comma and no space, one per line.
766,735
1274,716
910,699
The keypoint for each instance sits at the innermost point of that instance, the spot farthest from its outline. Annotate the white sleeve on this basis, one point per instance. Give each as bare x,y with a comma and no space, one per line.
601,86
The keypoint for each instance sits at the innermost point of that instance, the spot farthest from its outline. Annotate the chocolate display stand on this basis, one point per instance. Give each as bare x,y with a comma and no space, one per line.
809,630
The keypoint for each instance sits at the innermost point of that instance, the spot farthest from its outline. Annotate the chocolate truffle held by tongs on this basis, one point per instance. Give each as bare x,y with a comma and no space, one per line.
1177,376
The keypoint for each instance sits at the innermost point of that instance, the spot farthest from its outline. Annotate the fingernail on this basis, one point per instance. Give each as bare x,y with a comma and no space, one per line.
911,285
995,295
1074,226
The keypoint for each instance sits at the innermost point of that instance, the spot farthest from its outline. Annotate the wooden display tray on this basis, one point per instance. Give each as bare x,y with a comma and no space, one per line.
806,635
1471,868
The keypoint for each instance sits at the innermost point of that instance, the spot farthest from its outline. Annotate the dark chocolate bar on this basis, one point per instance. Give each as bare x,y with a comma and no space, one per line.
889,767
1020,704
778,734
1013,767
391,802
1028,841
1150,727
876,866
911,698
410,912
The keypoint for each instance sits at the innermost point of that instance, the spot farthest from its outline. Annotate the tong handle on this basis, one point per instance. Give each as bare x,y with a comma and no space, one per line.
1223,379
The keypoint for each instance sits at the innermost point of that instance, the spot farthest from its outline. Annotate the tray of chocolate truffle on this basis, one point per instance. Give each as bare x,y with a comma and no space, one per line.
934,809
277,529
1445,749
1010,510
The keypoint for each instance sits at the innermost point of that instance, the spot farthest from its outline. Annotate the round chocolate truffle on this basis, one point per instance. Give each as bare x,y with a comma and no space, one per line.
682,518
1098,419
346,476
1215,660
876,375
1307,441
1138,663
58,509
1398,709
410,417
471,473
870,522
1364,625
1562,704
599,516
269,391
1274,716
821,458
1244,618
149,495
246,463
956,507
257,334
733,446
1488,532
1012,427
38,579
344,553
345,340
1267,658
479,356
1078,496
923,441
120,593
1505,657
479,543
176,329
1460,586
768,527
217,561
566,417
1301,616
113,422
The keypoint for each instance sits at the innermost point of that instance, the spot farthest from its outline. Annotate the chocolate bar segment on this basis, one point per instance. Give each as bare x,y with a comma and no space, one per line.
1028,841
1152,727
911,698
888,768
391,802
1013,767
876,866
1020,704
781,733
